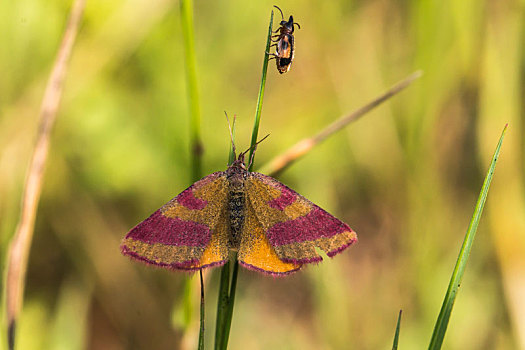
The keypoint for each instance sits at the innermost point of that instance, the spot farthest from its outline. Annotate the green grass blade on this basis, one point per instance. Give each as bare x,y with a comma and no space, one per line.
223,299
202,308
186,9
398,327
258,109
231,157
231,302
446,309
222,305
226,298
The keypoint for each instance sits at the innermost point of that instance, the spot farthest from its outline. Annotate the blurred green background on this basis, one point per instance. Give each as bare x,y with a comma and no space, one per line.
405,177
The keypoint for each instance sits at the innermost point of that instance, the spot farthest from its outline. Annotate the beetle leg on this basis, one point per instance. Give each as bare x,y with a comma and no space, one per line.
272,55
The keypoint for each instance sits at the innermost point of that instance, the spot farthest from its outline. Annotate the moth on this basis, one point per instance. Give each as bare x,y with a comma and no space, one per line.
272,228
284,43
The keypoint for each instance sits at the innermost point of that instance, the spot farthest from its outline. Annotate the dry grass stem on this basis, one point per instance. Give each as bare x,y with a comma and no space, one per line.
21,241
282,161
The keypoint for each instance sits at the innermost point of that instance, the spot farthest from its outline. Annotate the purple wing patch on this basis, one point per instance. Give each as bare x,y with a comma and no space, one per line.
293,225
286,198
187,232
170,231
188,200
316,224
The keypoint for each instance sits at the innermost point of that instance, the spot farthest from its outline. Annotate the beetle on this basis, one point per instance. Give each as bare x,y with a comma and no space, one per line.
284,43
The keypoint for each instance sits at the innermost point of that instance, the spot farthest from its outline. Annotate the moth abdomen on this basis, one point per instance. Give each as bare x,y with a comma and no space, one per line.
236,204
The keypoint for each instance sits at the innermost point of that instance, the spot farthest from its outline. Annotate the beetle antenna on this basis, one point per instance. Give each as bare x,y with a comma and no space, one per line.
282,16
298,26
231,133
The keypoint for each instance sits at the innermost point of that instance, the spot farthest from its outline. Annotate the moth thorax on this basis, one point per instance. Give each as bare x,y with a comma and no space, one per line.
236,204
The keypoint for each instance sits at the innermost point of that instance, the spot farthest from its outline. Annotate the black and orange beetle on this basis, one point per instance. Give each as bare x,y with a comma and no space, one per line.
284,43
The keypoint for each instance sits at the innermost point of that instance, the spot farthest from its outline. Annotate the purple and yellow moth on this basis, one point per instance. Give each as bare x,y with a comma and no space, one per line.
274,229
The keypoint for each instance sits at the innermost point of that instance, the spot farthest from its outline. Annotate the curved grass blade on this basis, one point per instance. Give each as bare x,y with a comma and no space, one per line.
396,336
455,281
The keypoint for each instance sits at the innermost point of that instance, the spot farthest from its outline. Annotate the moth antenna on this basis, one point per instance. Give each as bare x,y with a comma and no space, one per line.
231,133
254,148
252,157
282,16
261,140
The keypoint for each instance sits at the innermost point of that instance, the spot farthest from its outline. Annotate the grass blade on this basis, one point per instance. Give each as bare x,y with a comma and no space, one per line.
396,336
258,109
222,305
231,302
186,9
228,288
455,281
193,91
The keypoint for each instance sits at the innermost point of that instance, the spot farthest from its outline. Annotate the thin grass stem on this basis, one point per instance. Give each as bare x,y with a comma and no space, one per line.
301,148
260,97
186,8
21,242
227,288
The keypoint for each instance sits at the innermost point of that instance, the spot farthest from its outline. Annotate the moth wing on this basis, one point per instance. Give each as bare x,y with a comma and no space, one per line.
189,232
256,252
294,226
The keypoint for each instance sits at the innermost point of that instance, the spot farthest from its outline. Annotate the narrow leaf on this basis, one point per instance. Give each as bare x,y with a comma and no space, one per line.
455,281
396,336
258,109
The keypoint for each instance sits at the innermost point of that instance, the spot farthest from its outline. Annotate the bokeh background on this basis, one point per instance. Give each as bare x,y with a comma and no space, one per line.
406,176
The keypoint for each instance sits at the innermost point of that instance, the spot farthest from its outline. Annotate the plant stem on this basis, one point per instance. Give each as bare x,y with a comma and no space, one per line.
21,242
196,149
285,159
228,288
193,92
258,109
222,305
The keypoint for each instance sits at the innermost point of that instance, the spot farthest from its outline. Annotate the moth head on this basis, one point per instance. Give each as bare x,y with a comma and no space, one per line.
254,147
239,162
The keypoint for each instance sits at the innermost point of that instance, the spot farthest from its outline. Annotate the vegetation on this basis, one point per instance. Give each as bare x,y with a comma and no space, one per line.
405,177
